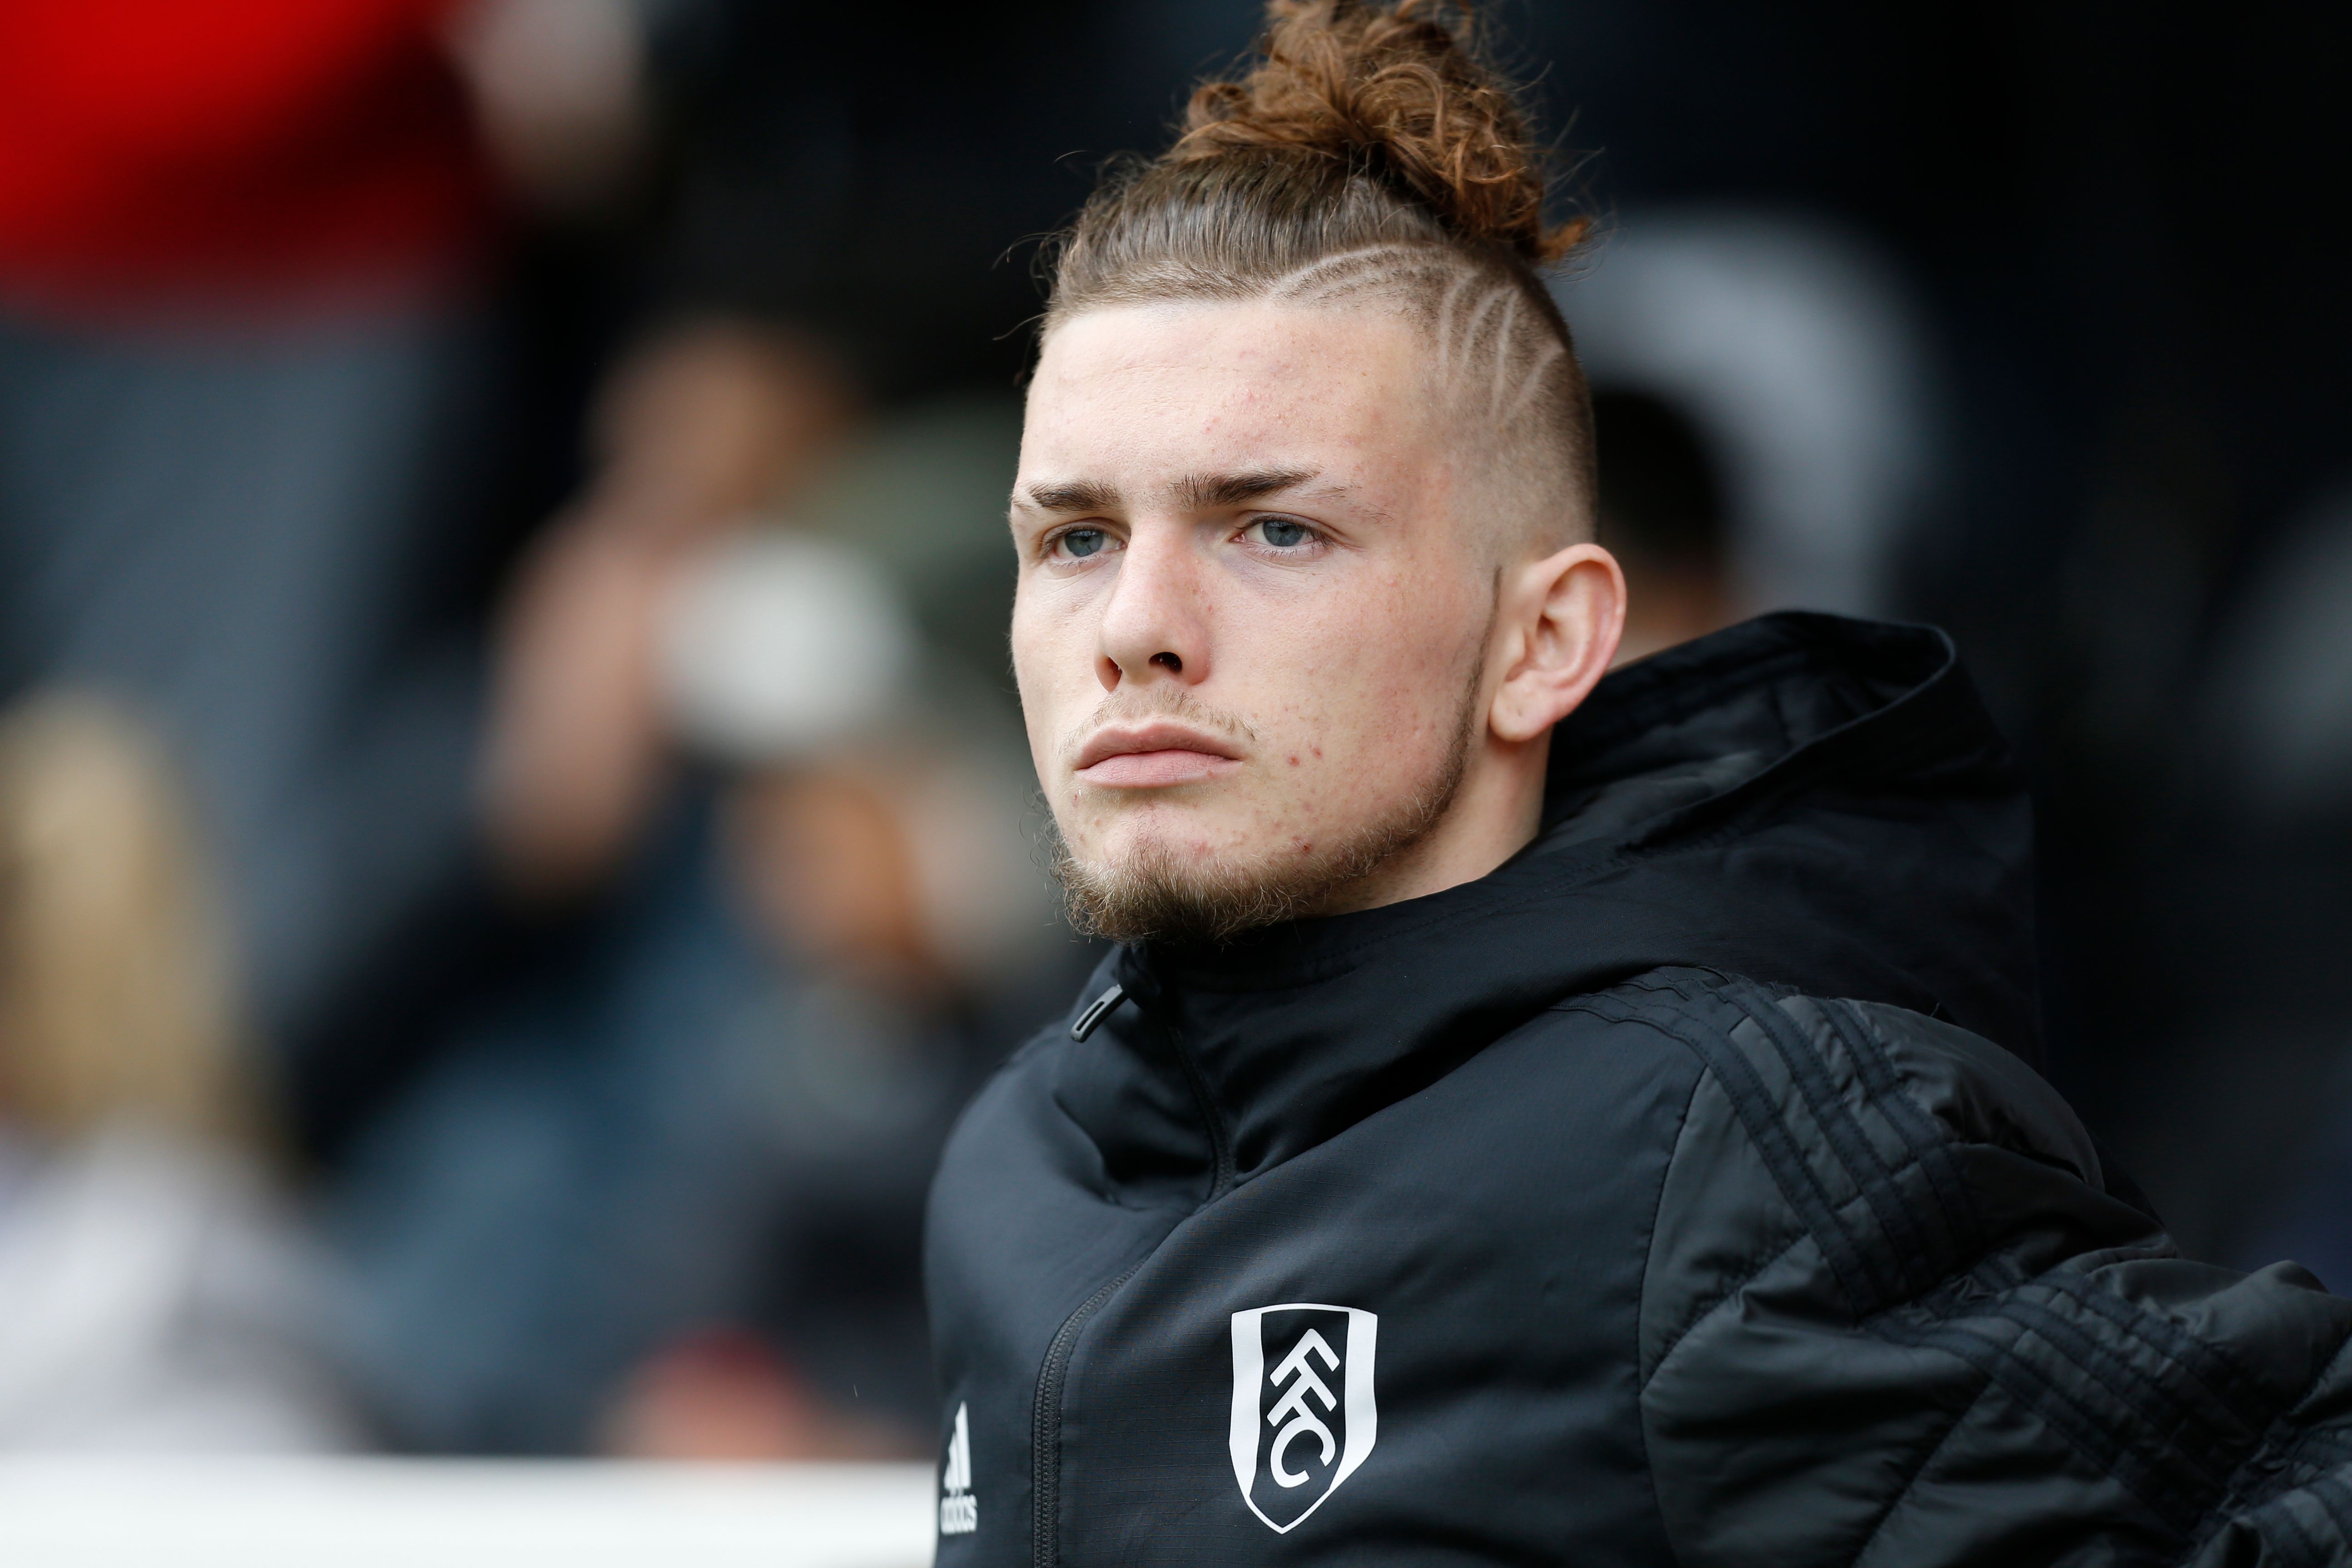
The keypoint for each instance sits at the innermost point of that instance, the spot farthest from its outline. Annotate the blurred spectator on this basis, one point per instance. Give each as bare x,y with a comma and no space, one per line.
665,1199
697,431
151,1295
662,1191
1762,417
245,398
1790,350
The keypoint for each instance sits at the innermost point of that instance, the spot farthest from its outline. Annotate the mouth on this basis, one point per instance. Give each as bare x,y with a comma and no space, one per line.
1153,756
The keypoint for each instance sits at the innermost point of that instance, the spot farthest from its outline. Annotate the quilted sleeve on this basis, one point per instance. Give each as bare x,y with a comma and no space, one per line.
1892,1315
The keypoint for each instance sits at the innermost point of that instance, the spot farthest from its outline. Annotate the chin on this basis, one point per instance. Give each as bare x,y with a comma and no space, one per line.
1153,884
1169,826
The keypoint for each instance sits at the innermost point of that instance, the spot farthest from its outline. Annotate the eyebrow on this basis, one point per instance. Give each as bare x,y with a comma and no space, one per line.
1198,492
1207,492
1073,495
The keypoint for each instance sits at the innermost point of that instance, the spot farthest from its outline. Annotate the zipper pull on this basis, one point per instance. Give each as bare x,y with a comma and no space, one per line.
1096,1011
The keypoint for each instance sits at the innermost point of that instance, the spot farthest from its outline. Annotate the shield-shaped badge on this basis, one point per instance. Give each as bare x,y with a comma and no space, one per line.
1303,1412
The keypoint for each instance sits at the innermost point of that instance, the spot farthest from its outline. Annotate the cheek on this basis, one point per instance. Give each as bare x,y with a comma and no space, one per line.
1400,647
1038,657
1371,692
1054,642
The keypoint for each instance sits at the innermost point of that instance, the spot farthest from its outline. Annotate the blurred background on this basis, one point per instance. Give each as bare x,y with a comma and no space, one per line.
515,840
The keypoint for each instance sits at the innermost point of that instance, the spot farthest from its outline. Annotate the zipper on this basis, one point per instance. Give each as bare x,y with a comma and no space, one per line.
1045,1417
1096,1011
1046,1424
1221,1148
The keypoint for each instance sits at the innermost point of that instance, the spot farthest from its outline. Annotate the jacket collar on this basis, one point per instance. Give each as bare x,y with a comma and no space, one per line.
1807,800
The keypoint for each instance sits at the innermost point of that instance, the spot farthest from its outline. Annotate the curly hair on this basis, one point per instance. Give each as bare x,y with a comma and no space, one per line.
1369,155
1400,96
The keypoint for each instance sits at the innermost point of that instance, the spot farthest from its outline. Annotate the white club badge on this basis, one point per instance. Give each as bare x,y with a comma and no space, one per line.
1304,1416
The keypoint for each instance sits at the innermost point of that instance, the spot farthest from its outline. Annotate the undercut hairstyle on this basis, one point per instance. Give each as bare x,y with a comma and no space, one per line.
1369,156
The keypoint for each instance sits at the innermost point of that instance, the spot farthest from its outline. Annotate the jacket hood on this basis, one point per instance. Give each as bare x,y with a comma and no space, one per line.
1805,799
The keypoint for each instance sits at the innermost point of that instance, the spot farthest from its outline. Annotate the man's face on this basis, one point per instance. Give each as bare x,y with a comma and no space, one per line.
1250,621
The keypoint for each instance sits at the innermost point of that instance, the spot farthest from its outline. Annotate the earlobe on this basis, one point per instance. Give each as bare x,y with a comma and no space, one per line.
1571,610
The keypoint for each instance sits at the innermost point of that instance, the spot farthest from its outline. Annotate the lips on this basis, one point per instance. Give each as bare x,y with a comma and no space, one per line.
1153,755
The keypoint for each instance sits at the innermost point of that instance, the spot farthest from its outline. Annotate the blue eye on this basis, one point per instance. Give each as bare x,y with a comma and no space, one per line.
1283,534
1081,542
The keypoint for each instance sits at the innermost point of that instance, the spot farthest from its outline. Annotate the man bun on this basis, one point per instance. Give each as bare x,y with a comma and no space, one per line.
1402,95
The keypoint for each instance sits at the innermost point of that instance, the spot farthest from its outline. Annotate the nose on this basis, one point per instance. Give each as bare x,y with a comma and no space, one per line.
1155,624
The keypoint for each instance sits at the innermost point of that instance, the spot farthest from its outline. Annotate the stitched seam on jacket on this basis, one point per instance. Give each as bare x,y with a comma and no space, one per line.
2280,1526
2181,1430
1996,1360
2229,1385
1874,1061
1614,1012
1912,1477
2309,1549
1753,1105
1766,1124
1711,1303
2277,1527
2331,1447
1896,1266
1641,1303
2287,1441
2031,1388
1865,1276
2006,1365
2194,1437
2336,1499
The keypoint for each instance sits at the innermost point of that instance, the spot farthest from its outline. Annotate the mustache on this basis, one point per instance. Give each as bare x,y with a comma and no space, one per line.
1160,702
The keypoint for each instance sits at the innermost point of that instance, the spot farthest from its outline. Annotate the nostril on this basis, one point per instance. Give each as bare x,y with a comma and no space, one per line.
1169,662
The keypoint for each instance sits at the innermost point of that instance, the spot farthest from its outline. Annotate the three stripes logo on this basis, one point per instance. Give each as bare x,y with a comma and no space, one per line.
959,1509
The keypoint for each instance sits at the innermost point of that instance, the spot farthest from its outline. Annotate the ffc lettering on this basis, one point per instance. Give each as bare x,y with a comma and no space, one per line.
1296,1371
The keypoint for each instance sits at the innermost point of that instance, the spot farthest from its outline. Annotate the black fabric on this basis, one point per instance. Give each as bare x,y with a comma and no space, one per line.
1690,1177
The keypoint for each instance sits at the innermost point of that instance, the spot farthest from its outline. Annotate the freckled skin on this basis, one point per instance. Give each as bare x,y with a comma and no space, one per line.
1337,624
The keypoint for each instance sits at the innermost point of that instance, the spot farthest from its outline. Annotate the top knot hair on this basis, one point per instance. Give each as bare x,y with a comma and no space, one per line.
1357,128
1400,96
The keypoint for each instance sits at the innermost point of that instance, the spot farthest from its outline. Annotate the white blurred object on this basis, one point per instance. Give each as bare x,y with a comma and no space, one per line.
153,1298
985,908
396,1513
2279,709
1792,346
559,92
778,645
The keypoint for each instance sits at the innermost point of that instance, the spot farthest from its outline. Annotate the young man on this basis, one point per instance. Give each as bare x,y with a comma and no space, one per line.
1529,1116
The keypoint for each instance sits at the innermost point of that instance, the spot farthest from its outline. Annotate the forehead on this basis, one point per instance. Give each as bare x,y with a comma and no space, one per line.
1188,384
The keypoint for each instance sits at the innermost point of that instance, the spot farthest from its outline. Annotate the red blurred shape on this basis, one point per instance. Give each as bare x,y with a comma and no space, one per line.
230,151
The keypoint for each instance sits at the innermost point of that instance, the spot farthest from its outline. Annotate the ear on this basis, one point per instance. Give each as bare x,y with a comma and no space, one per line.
1563,616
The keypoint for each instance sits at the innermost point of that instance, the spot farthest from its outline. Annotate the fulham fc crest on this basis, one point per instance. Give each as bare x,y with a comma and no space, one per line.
1303,1412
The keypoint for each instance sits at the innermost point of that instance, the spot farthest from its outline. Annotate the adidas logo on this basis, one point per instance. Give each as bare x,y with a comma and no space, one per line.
959,1509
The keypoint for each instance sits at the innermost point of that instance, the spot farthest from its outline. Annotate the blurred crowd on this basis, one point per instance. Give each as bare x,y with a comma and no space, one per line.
515,835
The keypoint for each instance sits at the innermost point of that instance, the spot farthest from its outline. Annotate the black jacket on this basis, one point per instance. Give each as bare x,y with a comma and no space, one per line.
1682,1192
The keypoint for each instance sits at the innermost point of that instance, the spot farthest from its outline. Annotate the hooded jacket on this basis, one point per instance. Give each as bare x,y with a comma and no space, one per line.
1684,1191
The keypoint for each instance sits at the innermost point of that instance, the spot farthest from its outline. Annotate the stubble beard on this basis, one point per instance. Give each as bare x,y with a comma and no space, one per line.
1158,894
